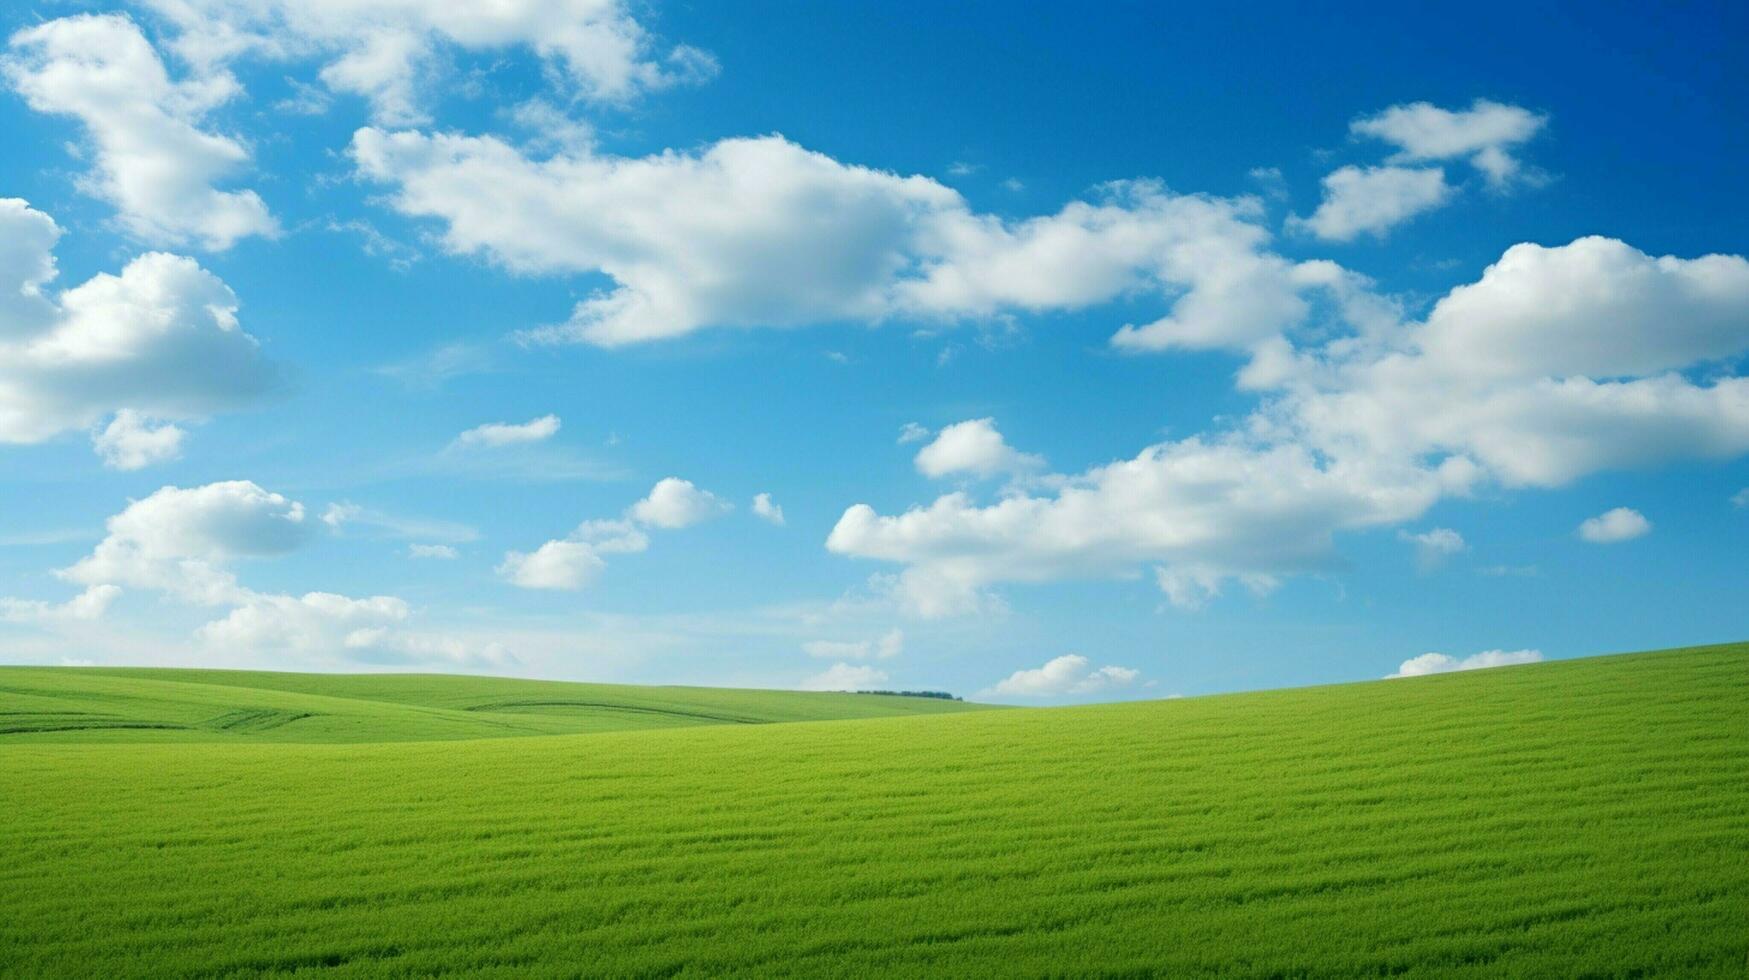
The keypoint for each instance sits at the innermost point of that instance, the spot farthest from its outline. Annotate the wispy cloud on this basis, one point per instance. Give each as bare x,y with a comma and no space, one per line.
384,524
495,434
434,368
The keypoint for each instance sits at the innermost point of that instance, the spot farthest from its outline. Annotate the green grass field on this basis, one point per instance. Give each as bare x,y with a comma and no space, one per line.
1576,818
133,705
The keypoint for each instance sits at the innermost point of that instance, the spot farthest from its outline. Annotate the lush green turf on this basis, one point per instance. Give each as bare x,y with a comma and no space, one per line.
136,705
1581,818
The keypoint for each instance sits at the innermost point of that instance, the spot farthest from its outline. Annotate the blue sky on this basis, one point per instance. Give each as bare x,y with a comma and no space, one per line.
1147,353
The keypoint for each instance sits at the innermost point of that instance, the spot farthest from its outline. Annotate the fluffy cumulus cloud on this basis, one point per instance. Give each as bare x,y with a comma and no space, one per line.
392,52
1439,663
131,441
151,158
561,565
185,542
1206,256
1204,511
1068,674
845,677
1362,200
1597,307
1485,134
368,630
1557,363
312,622
159,341
675,503
574,562
764,233
884,647
1610,527
751,232
767,510
974,448
494,434
1372,200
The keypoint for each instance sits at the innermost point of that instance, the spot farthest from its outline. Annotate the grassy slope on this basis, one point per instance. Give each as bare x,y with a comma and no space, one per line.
1571,818
134,705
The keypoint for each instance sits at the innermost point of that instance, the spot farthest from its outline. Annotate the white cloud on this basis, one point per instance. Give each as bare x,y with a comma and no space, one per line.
1372,200
845,677
913,432
1369,425
1193,586
494,434
763,233
676,503
1439,663
1557,363
973,447
1741,498
27,266
1205,510
440,552
1483,134
549,126
160,341
1620,524
612,537
383,645
1434,546
752,232
1134,237
888,645
766,510
88,605
339,514
152,160
391,51
132,442
1596,307
315,621
1068,674
575,562
368,630
182,541
564,565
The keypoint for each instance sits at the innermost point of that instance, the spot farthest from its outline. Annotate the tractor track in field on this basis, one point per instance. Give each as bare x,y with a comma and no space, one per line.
255,719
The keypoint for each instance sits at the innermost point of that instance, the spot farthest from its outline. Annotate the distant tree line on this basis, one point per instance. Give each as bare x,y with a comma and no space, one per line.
943,695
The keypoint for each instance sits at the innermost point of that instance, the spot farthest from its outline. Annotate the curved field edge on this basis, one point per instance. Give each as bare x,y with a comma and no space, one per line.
61,704
1582,817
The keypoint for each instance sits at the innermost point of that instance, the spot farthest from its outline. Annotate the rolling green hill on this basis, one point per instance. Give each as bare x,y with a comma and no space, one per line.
62,704
1576,818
